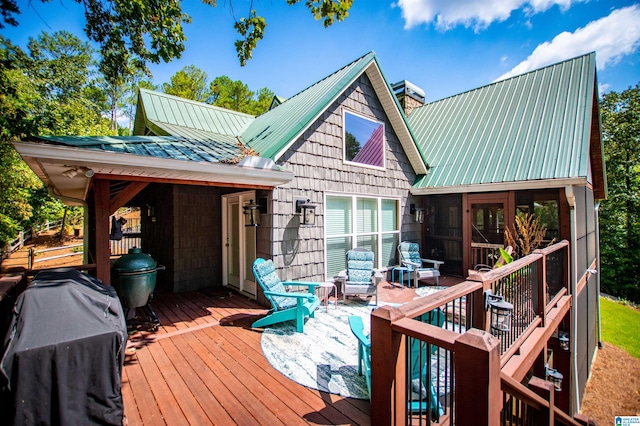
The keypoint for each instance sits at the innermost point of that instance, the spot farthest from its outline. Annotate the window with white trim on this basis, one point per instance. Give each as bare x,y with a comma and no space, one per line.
363,140
357,221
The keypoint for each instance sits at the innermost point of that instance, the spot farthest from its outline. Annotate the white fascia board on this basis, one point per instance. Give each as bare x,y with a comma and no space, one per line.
105,162
501,186
387,99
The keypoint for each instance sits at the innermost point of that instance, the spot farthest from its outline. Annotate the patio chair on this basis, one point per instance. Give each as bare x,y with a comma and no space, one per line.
409,255
286,306
420,362
364,349
360,278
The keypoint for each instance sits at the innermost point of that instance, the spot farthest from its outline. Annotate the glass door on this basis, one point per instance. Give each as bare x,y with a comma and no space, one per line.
239,243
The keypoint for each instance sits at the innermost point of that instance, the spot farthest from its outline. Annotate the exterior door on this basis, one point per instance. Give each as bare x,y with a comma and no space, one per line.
239,244
488,216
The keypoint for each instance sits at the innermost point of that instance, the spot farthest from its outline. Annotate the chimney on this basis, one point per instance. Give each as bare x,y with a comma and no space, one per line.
409,95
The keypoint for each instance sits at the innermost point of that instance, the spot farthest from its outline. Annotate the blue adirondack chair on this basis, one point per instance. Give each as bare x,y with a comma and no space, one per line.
286,306
364,349
421,361
409,255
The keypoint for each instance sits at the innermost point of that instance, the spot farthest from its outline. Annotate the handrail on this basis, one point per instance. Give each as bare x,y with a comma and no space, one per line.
425,304
532,399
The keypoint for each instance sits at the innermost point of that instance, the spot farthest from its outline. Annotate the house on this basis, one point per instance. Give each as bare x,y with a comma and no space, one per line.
345,147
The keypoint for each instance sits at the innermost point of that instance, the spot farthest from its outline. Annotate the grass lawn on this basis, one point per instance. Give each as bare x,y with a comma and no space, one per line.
621,326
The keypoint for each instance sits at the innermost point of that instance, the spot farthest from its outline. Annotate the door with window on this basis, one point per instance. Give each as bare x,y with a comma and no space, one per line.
489,215
239,244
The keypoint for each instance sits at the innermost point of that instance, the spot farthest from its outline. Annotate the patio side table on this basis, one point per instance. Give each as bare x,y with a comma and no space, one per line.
325,289
401,270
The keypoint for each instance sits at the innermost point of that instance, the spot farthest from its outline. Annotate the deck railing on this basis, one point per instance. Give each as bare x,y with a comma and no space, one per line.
461,383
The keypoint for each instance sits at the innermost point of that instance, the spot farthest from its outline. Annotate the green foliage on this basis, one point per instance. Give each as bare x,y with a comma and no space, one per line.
620,213
189,83
236,96
132,33
620,326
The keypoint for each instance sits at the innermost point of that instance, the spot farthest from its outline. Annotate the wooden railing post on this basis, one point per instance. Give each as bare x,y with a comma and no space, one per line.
540,297
546,391
478,398
388,362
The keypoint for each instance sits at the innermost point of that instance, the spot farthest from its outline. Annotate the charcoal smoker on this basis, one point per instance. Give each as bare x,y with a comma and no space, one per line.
134,278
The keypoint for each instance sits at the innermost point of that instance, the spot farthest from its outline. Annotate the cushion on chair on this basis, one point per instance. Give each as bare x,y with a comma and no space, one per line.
359,267
270,279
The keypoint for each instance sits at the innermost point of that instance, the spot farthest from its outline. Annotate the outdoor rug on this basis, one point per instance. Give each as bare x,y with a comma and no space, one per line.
325,356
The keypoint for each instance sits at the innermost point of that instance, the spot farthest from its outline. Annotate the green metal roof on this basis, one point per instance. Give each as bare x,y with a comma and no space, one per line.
274,130
160,108
171,147
536,126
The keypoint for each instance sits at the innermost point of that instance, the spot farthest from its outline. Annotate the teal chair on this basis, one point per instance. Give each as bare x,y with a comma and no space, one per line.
409,255
286,306
421,361
360,279
364,349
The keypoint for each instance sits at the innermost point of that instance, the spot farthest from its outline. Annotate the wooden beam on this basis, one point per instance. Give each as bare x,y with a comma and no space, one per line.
126,195
180,181
102,253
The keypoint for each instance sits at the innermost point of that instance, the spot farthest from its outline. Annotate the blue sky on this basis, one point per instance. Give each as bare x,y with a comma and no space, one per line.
443,46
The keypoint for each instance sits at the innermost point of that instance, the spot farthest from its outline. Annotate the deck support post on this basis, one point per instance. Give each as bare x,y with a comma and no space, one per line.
388,369
546,390
102,250
478,398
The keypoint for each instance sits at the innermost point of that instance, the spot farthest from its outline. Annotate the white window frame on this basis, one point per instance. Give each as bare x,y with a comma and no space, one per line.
344,141
354,225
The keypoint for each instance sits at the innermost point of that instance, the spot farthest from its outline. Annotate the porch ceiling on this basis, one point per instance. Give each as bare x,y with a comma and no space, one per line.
52,164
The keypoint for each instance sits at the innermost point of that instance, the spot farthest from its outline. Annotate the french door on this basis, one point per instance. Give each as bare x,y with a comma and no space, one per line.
238,243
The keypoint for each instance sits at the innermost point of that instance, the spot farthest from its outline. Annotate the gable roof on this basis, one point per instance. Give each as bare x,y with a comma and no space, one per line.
519,133
273,132
166,114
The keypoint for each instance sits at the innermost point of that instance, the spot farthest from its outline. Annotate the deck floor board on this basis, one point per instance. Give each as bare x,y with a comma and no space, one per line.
204,365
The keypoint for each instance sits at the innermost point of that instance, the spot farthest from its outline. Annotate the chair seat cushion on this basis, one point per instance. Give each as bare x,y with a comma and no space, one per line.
271,280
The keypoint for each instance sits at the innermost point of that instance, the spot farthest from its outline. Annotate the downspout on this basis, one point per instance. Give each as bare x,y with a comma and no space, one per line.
85,222
571,199
598,276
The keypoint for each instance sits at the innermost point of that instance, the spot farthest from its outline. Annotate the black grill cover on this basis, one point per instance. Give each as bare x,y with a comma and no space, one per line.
64,352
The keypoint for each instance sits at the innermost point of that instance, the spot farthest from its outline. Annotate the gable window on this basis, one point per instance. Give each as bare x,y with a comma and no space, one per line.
353,221
363,140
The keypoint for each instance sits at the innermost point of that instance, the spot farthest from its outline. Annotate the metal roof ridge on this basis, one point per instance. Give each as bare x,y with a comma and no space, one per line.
496,82
197,103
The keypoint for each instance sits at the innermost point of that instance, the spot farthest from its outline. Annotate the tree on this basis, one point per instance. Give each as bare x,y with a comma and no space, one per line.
135,32
189,83
620,213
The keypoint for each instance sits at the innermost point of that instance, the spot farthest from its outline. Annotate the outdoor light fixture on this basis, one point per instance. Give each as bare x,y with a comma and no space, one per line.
563,338
418,212
308,211
500,311
73,172
554,376
251,214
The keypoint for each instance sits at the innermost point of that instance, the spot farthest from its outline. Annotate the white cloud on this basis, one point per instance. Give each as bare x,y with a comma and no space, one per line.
611,37
479,14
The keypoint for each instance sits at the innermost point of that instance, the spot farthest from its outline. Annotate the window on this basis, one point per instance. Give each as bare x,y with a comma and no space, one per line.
363,140
353,221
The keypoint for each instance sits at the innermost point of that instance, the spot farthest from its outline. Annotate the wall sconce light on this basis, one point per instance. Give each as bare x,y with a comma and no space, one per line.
251,213
563,338
73,172
308,211
554,376
151,212
418,212
500,312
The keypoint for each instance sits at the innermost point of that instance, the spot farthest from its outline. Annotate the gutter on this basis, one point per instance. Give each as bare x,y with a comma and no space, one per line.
597,219
571,199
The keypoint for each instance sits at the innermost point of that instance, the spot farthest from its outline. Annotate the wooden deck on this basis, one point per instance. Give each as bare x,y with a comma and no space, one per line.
205,366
